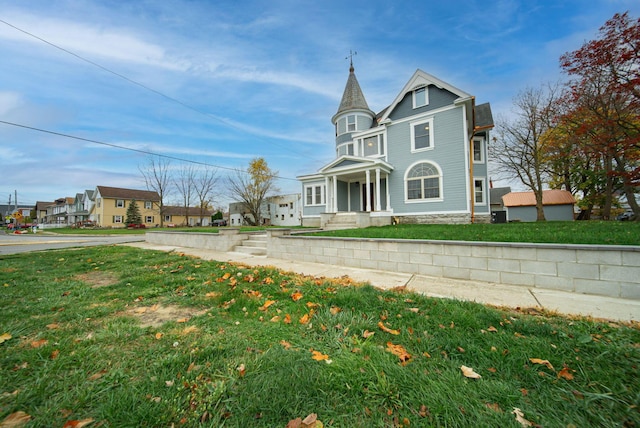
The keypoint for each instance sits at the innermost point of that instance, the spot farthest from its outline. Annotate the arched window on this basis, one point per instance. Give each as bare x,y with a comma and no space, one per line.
423,182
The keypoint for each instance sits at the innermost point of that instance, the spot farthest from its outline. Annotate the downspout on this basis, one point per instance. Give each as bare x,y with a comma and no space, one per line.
472,188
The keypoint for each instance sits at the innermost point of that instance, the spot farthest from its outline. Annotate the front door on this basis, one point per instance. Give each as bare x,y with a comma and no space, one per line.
371,198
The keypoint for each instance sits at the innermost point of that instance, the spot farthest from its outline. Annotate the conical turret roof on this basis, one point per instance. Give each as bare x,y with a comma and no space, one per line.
352,98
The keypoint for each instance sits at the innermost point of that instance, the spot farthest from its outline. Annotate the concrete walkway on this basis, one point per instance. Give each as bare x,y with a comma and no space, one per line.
481,292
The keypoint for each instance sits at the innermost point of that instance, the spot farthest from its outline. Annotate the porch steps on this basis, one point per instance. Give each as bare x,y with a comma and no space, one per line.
339,222
255,244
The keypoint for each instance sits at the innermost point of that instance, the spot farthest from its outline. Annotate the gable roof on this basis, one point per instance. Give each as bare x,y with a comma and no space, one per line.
549,197
421,79
352,97
484,118
117,192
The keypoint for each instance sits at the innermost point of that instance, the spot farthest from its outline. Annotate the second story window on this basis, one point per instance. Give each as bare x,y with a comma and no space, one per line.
420,97
351,123
119,203
148,205
422,135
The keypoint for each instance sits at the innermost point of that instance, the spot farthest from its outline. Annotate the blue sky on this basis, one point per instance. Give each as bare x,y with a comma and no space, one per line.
222,82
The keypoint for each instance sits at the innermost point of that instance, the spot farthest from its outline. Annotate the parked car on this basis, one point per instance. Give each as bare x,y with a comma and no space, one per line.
136,226
219,222
625,216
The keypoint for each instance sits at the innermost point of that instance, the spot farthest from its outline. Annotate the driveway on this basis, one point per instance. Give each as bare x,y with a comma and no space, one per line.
13,244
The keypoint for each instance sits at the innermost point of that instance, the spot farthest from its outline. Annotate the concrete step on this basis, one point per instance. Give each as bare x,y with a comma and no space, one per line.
255,244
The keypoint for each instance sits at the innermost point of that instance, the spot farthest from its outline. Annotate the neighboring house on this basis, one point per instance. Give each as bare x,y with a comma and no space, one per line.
41,211
111,204
58,212
521,206
7,211
176,216
279,210
81,210
423,159
284,210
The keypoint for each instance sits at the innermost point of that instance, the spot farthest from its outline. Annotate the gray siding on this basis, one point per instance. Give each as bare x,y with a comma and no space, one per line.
438,98
551,213
448,154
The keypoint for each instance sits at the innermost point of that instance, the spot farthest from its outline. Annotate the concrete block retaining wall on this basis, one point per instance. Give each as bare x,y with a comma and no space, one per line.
590,269
601,270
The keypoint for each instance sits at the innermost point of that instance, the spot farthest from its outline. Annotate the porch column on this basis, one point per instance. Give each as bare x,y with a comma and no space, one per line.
367,193
335,194
327,198
378,206
388,193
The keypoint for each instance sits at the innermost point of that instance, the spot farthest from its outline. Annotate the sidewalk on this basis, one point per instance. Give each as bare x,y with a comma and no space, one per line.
493,294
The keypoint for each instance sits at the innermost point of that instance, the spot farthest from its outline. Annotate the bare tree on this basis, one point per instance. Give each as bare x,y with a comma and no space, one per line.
252,187
205,182
518,150
184,182
157,177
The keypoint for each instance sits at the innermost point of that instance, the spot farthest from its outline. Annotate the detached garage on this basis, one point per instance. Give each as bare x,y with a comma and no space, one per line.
521,206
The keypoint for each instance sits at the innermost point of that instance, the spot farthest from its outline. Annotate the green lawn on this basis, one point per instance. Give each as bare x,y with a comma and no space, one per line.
122,337
574,232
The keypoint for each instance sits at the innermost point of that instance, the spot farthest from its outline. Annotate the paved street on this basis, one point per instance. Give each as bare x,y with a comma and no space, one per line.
13,244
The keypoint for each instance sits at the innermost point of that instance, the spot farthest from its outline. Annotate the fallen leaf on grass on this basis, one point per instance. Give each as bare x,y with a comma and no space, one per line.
334,310
77,424
305,318
565,373
53,326
54,354
542,362
16,419
494,406
399,351
367,334
39,343
287,319
387,329
520,418
319,356
4,337
285,344
241,370
296,296
266,305
468,372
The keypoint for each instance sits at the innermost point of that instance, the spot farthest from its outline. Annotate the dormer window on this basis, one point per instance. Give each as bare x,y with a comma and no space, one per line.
420,97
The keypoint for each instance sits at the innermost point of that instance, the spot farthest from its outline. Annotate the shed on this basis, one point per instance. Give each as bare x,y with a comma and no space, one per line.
521,206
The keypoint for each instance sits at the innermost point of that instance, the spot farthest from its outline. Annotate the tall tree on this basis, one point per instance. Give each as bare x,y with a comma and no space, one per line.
518,149
184,183
157,177
605,81
252,187
205,182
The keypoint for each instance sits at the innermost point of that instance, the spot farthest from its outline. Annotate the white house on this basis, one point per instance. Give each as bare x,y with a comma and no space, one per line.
280,210
422,159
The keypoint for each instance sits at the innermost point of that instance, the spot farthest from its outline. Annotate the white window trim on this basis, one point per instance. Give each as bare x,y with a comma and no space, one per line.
481,141
148,205
313,195
440,184
412,126
484,191
118,203
426,97
118,219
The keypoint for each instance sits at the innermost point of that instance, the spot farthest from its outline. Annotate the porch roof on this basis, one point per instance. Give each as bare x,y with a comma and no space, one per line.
354,165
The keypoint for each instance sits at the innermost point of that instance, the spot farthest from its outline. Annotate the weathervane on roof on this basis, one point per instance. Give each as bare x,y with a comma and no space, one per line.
350,58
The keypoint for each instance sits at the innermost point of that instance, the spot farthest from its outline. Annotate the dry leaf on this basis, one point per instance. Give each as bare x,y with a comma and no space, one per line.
387,329
39,343
543,362
296,296
287,319
367,334
77,424
267,281
241,370
15,420
159,336
319,356
294,423
399,351
305,319
266,305
213,294
4,337
492,329
520,418
54,354
309,420
565,373
468,372
53,326
335,310
285,344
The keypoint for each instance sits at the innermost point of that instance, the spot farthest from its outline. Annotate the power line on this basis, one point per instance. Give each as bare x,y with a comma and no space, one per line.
116,146
134,82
